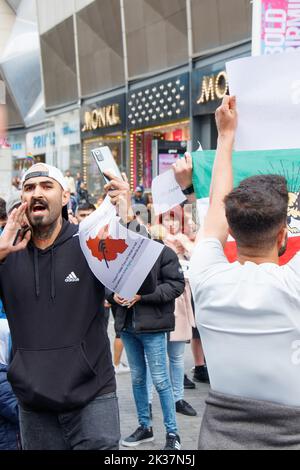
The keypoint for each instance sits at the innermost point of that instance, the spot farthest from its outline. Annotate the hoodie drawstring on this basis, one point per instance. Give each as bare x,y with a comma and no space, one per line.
36,271
68,231
52,275
37,275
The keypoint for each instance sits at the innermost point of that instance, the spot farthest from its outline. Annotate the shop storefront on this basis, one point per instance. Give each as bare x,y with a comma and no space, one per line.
17,144
102,123
209,86
158,121
67,141
41,146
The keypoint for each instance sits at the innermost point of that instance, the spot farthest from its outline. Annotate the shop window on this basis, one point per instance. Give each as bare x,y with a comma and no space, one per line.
143,150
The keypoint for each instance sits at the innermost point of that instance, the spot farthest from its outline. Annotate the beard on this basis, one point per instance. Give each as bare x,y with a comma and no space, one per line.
44,225
43,230
39,221
50,216
36,221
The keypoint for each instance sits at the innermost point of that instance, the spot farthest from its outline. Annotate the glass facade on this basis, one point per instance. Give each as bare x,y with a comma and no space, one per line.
89,48
100,47
59,65
20,60
67,141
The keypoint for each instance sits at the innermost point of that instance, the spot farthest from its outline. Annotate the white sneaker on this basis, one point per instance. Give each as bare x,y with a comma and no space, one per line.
121,368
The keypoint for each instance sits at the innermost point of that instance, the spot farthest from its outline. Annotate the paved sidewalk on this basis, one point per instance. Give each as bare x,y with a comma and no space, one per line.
188,425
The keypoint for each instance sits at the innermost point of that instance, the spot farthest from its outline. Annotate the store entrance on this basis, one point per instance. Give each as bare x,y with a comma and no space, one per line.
205,132
147,143
165,153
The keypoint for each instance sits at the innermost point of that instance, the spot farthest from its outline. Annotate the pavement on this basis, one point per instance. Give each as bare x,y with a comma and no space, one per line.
188,426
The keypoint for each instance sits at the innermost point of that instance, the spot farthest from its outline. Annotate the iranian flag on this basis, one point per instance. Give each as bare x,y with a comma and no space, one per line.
282,162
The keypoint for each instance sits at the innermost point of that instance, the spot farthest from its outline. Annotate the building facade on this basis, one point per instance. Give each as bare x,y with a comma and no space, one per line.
141,76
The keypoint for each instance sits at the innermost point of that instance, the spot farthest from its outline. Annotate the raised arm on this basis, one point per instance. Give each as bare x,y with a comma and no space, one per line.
119,192
183,171
215,223
13,238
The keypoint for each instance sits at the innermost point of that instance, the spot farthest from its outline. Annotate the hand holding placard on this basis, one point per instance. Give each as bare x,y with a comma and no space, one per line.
166,192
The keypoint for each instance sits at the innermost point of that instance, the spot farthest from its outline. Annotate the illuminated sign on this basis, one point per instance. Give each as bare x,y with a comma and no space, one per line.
107,116
213,87
162,102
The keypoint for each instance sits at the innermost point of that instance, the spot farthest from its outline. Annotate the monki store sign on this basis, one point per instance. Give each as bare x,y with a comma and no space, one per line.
213,87
106,116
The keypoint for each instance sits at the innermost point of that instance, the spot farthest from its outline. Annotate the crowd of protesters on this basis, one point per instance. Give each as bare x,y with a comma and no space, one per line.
170,301
247,313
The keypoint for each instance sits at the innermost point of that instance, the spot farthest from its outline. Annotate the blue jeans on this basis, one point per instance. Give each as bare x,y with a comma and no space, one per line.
153,346
176,360
96,426
176,365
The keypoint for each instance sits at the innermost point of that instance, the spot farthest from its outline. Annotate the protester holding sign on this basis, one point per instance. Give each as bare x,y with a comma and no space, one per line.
62,372
142,323
184,318
111,243
248,311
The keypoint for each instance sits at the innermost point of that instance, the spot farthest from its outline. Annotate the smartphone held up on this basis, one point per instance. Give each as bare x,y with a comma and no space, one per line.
106,162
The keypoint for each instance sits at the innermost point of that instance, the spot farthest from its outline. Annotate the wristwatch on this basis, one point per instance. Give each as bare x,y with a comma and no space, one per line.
189,190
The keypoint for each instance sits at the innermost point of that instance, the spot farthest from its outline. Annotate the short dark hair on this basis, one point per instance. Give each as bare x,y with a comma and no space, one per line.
86,206
257,209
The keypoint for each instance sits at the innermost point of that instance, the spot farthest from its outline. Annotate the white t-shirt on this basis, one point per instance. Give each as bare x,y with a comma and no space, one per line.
249,321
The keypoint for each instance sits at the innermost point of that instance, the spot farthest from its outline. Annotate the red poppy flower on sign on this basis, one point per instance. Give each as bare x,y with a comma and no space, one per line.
104,247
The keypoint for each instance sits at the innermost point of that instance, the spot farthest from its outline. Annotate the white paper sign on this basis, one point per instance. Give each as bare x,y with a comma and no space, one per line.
268,101
166,192
103,215
119,258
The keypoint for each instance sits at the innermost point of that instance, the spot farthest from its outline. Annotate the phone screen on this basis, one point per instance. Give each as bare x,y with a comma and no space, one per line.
106,162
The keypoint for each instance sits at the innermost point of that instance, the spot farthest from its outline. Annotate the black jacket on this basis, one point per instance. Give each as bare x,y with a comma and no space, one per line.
155,312
54,306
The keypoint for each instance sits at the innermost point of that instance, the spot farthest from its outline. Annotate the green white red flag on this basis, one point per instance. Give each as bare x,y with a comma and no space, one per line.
245,164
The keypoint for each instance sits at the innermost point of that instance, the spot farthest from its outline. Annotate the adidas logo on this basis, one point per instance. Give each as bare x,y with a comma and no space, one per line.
72,278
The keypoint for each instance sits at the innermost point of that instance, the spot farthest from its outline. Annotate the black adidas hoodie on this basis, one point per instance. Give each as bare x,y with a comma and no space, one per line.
54,306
